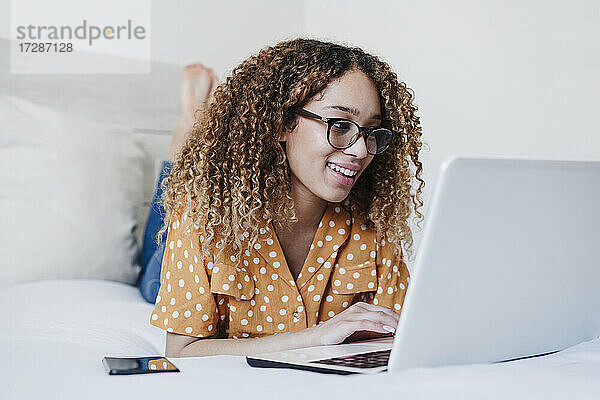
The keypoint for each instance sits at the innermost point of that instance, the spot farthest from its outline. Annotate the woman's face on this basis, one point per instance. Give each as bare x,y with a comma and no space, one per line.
312,160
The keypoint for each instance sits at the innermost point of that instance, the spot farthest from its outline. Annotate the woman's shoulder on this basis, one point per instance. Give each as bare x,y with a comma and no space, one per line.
183,223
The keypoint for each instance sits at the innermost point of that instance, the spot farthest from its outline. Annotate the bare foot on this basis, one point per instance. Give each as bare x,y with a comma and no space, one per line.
197,86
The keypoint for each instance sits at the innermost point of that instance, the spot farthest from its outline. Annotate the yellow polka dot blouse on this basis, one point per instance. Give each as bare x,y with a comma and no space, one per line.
205,295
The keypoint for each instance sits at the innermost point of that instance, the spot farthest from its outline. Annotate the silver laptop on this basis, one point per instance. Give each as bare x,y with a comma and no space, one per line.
508,268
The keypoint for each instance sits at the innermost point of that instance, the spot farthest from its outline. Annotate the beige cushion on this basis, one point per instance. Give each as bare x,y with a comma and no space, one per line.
69,189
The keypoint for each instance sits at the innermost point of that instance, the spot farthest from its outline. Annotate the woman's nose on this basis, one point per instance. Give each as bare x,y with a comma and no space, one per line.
358,149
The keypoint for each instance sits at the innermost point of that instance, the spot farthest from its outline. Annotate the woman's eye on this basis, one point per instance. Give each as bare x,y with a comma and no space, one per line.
342,126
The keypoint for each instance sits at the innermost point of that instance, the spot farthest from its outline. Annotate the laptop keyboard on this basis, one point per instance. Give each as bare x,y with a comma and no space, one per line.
363,360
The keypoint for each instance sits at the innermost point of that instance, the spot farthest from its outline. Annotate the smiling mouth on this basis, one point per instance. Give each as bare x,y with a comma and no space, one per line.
343,171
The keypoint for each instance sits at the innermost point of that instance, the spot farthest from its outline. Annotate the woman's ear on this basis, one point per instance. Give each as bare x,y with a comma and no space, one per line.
287,130
283,136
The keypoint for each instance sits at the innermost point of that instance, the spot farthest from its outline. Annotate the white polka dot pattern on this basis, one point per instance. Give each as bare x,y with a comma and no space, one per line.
225,295
184,303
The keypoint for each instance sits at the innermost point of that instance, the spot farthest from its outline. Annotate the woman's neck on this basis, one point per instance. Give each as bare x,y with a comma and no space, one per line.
295,238
309,214
308,207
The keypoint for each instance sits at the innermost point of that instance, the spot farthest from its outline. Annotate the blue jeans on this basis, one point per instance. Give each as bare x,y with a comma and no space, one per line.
152,254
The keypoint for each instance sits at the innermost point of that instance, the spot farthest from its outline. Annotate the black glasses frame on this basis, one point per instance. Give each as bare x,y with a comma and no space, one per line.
361,129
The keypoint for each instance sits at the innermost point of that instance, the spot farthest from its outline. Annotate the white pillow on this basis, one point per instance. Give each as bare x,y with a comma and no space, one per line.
68,195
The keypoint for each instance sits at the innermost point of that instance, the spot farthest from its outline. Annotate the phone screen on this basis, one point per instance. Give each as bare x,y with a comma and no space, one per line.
137,365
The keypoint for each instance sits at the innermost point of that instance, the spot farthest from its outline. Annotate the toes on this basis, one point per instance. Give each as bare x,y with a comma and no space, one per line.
194,66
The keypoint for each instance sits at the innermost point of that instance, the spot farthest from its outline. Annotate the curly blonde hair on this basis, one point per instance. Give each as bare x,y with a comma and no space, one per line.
232,174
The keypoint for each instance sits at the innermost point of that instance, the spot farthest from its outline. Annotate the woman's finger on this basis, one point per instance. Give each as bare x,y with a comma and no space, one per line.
375,316
365,324
372,307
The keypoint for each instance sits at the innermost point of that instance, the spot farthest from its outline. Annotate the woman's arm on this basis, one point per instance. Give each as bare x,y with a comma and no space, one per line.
360,320
185,346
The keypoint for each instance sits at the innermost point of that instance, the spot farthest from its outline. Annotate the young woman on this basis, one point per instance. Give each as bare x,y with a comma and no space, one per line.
287,206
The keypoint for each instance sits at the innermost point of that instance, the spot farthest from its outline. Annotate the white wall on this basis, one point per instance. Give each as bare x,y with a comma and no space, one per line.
221,33
500,78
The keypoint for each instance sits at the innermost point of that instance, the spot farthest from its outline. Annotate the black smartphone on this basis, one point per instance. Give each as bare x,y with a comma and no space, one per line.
137,365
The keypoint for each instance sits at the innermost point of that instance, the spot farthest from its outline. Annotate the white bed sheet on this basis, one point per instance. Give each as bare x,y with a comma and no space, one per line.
53,335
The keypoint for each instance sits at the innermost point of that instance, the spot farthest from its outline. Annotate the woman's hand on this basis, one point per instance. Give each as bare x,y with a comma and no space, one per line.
360,321
197,86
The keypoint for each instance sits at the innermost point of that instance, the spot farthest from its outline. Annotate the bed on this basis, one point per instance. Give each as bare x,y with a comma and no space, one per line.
55,333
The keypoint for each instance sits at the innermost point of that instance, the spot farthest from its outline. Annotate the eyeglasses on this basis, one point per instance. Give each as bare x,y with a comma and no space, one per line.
343,133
